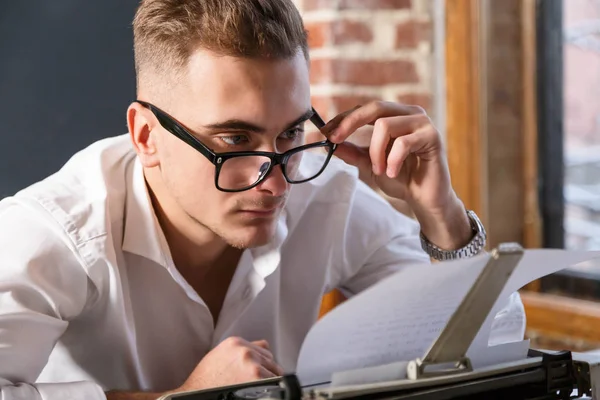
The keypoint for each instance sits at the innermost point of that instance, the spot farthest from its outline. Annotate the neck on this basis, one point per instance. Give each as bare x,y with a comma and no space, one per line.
192,245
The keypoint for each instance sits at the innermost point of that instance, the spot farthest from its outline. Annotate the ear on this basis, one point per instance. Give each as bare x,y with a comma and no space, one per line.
141,122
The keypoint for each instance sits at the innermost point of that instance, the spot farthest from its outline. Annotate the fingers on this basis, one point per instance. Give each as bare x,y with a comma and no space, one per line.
341,127
400,150
264,373
334,123
262,347
379,144
266,359
354,155
396,137
270,365
359,157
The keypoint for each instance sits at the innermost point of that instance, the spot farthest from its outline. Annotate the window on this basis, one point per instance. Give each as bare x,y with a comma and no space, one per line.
569,153
581,54
577,71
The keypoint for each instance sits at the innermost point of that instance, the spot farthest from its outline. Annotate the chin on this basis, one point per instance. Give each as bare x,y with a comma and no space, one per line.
249,237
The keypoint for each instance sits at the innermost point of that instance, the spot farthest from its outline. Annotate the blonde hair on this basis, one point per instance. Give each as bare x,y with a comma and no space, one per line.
166,32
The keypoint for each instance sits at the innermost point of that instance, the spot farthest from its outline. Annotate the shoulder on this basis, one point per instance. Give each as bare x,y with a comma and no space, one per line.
39,263
83,195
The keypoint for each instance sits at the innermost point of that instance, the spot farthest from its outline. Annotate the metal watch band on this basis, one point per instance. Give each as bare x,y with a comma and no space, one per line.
473,248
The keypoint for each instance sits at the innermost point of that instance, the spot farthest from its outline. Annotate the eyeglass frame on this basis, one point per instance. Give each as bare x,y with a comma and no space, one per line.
218,159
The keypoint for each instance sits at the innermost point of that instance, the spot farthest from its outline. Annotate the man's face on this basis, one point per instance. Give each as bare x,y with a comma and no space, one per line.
234,104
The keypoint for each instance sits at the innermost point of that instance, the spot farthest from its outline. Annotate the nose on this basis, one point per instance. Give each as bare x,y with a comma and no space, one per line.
275,182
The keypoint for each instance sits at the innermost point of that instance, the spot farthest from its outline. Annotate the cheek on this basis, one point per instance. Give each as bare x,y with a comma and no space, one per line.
189,175
190,178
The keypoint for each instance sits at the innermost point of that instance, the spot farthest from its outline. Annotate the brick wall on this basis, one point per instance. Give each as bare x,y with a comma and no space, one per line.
364,50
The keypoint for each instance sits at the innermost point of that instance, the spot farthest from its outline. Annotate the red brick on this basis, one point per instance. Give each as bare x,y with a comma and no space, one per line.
318,34
310,5
322,104
363,72
410,34
344,103
321,34
320,71
417,99
345,32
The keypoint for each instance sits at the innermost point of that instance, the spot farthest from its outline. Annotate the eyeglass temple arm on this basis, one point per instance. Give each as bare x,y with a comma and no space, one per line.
179,131
317,120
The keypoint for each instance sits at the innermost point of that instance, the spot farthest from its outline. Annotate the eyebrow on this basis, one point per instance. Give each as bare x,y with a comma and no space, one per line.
240,125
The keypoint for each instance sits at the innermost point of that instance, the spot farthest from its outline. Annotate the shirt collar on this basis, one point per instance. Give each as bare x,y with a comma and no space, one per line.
268,257
142,230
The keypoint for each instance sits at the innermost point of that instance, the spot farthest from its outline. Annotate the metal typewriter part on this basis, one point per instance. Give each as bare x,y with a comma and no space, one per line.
286,387
542,376
453,342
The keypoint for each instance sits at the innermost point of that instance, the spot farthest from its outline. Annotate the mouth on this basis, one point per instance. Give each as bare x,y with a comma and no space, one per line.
260,212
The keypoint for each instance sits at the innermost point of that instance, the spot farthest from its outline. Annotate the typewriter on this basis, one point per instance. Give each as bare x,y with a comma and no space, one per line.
445,372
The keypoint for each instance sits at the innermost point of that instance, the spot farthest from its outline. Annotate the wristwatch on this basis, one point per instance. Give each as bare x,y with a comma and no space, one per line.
472,248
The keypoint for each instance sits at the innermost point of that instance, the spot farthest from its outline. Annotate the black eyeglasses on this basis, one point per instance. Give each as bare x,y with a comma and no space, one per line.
243,170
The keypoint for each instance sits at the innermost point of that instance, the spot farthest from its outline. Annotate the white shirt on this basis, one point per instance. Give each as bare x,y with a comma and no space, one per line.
90,299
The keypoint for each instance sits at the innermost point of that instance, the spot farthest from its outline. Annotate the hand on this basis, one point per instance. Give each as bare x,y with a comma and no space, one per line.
233,361
406,160
405,157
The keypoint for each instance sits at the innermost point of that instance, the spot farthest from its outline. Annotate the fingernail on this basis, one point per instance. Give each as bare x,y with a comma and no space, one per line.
391,173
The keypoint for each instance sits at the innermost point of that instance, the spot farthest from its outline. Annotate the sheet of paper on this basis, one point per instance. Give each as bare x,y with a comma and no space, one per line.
535,264
398,319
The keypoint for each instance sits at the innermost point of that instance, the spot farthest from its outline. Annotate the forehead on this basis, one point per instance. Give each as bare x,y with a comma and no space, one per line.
218,88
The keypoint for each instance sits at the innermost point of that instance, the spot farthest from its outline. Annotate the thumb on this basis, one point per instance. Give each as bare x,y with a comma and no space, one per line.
356,156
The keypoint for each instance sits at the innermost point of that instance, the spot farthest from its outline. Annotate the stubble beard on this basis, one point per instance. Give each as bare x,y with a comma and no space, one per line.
239,243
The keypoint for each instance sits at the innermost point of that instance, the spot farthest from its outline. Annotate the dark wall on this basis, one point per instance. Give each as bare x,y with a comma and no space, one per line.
66,78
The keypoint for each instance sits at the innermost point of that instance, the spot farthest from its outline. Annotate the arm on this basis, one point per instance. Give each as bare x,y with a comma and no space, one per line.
42,287
377,242
233,361
390,242
406,159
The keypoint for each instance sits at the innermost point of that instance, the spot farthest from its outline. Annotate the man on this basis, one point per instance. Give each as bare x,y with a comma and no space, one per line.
194,251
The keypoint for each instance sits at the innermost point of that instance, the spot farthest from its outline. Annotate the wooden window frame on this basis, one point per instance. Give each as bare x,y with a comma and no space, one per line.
472,104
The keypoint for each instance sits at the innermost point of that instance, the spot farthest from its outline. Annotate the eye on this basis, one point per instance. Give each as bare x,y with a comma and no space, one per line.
234,140
292,134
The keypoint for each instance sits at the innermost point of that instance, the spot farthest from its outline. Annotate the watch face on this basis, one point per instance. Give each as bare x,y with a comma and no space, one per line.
259,392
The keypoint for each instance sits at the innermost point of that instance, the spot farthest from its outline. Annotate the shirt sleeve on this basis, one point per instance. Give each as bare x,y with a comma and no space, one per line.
377,242
42,287
380,241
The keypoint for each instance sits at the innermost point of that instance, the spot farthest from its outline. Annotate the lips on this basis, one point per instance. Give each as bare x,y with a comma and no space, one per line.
266,207
261,211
